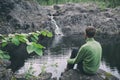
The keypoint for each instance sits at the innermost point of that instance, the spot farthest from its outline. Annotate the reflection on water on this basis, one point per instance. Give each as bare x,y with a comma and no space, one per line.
48,61
59,51
57,39
111,58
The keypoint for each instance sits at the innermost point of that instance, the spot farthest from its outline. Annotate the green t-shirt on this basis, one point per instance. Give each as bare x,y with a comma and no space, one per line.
90,55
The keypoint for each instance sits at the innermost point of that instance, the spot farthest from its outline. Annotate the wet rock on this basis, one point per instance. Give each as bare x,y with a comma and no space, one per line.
21,16
5,74
4,63
26,16
45,76
79,16
6,6
76,75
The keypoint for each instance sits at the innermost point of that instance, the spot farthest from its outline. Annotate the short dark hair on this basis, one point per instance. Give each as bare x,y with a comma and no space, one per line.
90,31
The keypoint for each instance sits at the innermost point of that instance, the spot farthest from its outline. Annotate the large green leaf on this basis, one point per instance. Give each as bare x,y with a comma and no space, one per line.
6,56
30,48
43,33
39,51
33,39
4,43
21,37
38,45
49,34
36,37
46,33
34,47
15,41
3,55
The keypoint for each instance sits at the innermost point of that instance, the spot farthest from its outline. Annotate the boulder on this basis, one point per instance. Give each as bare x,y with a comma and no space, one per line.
5,74
73,74
22,16
74,18
44,76
27,16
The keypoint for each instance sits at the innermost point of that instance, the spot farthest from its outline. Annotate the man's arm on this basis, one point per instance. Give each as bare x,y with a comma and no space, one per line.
79,57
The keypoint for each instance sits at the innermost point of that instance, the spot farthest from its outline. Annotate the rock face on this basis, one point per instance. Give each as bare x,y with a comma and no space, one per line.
44,76
5,74
74,18
21,16
76,75
27,15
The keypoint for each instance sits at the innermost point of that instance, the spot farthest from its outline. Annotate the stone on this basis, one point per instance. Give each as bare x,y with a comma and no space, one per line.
5,74
44,76
23,16
79,16
4,63
73,74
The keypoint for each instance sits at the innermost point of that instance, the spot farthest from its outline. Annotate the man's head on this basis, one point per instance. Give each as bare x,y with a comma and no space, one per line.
90,32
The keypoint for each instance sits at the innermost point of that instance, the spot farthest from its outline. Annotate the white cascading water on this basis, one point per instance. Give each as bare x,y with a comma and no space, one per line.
58,33
57,29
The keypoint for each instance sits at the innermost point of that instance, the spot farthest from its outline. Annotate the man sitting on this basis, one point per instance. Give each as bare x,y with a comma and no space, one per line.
88,57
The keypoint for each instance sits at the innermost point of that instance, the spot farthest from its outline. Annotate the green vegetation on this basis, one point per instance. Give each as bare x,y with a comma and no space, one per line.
107,3
29,75
30,39
4,55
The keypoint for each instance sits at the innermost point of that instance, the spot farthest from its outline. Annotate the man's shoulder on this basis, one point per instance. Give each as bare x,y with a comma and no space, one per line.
88,45
85,46
97,43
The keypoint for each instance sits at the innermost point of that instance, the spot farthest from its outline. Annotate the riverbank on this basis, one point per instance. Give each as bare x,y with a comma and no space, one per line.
72,74
28,16
76,75
24,16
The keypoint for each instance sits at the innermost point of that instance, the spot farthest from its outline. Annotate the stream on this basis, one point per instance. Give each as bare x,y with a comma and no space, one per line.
58,50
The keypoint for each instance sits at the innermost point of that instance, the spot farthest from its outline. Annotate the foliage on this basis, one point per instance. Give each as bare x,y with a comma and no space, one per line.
4,55
29,73
108,3
13,78
30,39
45,65
32,46
43,68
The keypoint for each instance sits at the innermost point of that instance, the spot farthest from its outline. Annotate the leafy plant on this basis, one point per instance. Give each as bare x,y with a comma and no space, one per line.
4,55
34,47
44,66
30,39
30,73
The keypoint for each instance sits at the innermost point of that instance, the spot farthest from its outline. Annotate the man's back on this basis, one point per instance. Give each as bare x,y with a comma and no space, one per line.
89,55
92,56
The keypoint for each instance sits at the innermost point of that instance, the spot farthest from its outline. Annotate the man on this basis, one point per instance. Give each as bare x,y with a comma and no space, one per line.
89,55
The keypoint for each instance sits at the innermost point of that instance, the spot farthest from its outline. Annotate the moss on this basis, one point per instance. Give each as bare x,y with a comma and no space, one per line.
107,75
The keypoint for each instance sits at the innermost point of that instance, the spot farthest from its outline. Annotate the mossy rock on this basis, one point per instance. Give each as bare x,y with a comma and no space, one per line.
73,74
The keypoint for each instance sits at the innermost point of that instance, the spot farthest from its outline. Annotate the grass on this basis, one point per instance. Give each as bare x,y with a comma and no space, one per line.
101,3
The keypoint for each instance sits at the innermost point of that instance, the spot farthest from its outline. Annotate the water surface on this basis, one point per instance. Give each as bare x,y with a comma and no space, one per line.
58,51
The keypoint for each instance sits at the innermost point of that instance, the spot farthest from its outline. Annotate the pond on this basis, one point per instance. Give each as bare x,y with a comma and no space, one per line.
58,50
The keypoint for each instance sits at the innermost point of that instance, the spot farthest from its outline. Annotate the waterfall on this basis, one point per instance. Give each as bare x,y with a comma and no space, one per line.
57,29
